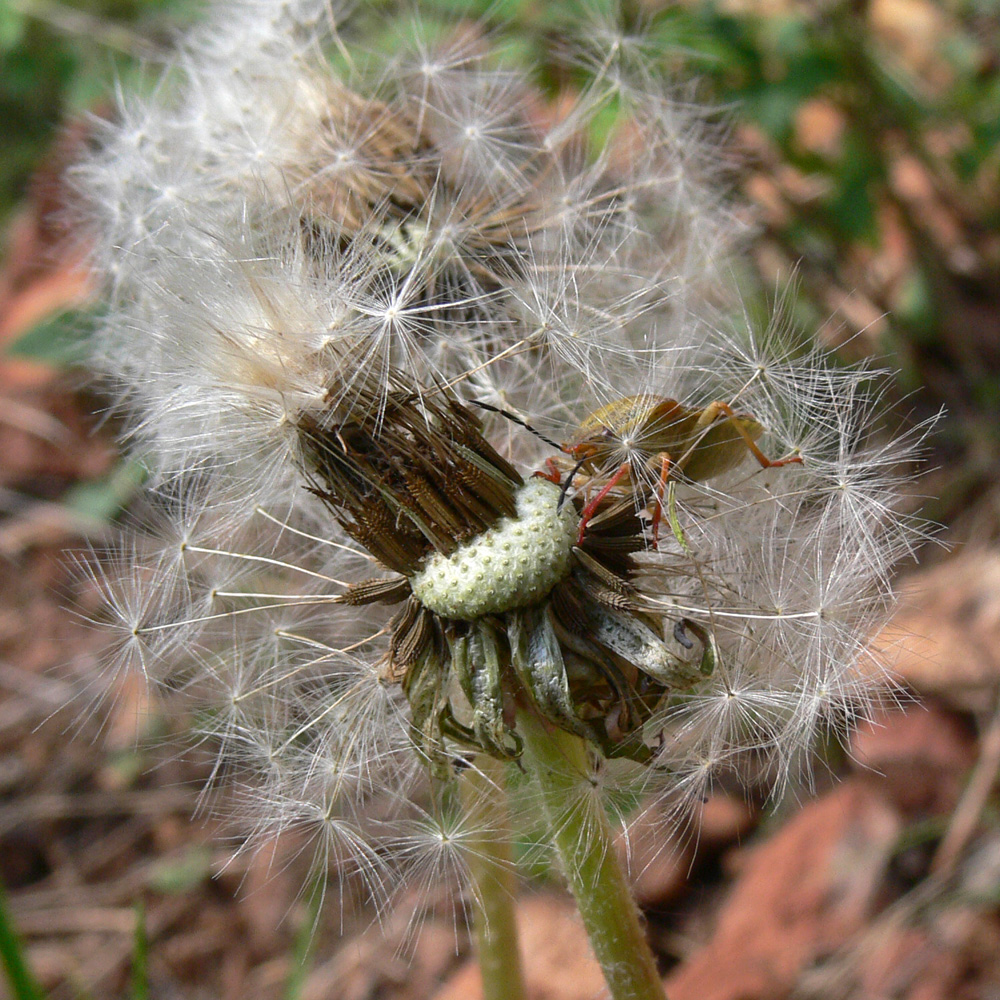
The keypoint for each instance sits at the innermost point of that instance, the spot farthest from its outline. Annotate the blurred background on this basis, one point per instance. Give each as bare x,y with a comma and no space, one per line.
864,146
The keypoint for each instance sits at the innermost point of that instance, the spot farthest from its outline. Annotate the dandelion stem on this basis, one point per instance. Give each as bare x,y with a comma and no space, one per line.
582,836
493,874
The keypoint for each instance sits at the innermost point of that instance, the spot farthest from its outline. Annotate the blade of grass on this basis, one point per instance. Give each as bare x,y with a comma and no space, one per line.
21,980
140,956
304,938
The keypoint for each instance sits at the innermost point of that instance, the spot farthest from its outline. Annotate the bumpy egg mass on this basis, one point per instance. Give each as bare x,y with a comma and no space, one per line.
514,564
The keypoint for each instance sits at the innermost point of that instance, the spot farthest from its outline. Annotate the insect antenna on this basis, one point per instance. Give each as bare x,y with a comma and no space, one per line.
514,418
564,488
565,485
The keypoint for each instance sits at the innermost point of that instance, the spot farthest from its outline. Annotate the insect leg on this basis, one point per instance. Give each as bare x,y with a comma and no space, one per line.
711,413
658,501
591,508
552,472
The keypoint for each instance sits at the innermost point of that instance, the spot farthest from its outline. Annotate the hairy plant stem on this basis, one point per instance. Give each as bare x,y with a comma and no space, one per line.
493,875
582,836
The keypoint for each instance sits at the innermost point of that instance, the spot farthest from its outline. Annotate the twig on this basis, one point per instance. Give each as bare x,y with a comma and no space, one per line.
965,818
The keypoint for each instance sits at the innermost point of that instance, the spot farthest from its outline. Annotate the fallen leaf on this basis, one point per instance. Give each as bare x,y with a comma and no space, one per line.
800,893
945,638
556,957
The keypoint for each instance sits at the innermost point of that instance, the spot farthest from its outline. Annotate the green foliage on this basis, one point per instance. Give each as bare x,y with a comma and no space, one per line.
103,499
305,937
60,340
177,875
140,956
60,59
19,977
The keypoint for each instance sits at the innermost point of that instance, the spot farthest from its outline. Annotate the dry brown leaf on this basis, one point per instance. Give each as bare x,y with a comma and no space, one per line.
919,755
799,895
557,961
945,639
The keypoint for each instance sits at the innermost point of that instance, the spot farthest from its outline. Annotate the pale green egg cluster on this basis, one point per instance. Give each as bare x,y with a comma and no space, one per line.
514,564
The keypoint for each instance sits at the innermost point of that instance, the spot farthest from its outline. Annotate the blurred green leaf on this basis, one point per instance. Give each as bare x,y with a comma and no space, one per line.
986,393
62,56
103,499
60,340
852,205
915,307
127,766
174,876
12,27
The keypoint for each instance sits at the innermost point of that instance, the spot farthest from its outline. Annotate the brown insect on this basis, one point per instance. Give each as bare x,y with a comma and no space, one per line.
644,437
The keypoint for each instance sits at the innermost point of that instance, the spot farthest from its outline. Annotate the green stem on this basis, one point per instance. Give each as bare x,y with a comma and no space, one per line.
492,870
582,836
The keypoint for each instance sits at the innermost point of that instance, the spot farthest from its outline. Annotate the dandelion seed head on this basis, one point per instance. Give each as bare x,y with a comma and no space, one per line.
447,414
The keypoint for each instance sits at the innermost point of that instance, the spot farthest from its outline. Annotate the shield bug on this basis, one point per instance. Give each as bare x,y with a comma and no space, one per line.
637,443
